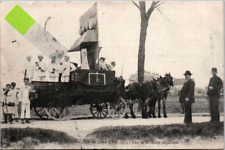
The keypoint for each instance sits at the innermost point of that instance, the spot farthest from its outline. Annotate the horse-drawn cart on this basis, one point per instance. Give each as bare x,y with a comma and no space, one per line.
57,100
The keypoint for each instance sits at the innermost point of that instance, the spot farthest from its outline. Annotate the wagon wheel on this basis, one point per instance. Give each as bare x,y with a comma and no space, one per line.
40,111
99,110
118,109
60,113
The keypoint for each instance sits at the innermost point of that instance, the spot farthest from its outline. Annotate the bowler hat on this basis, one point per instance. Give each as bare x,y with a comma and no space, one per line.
214,69
187,73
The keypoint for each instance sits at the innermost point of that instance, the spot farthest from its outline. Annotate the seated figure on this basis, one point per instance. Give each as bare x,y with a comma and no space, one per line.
111,66
102,64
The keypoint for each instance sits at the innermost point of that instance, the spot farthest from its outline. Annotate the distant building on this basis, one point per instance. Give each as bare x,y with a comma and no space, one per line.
148,76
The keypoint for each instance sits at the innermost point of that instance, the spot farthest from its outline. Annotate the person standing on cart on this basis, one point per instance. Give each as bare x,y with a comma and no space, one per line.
8,105
25,101
215,85
42,68
65,68
53,68
28,69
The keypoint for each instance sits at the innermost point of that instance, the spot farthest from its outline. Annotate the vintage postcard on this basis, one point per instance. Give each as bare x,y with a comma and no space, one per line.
112,74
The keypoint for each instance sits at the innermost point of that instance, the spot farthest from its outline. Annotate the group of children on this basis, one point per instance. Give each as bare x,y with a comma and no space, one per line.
12,99
56,72
53,72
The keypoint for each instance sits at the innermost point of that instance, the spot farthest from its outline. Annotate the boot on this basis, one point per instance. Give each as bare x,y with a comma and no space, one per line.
23,121
10,119
5,119
27,121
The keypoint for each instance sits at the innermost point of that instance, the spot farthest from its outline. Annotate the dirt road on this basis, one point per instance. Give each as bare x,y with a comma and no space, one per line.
82,127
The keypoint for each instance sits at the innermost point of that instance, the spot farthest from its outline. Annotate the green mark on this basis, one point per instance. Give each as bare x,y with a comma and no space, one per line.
19,19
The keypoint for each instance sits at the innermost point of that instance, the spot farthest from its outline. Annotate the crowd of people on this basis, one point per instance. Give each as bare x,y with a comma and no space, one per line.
56,72
53,72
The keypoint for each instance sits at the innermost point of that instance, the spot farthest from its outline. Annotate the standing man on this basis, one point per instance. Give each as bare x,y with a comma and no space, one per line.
187,96
215,85
28,69
25,101
42,68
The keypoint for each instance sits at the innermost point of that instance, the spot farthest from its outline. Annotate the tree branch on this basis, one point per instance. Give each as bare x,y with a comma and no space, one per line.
151,9
159,4
136,5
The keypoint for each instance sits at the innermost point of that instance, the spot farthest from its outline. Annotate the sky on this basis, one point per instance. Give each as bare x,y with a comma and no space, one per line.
185,35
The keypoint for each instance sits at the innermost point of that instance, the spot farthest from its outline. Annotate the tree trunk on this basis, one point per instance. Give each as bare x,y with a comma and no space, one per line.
141,51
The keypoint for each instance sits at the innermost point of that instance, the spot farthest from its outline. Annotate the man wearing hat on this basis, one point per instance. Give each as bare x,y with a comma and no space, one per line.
102,64
187,96
215,85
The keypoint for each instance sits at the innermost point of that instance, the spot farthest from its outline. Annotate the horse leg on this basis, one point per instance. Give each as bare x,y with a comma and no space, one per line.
153,109
159,108
144,113
126,116
131,111
150,108
164,107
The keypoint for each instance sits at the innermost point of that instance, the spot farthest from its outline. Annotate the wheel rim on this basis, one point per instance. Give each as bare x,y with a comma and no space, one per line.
40,111
118,109
99,110
60,113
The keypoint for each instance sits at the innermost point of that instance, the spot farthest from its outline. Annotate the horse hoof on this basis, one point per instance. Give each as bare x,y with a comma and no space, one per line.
126,116
134,117
165,116
154,116
159,116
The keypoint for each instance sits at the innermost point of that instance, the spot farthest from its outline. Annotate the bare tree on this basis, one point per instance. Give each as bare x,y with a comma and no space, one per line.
145,16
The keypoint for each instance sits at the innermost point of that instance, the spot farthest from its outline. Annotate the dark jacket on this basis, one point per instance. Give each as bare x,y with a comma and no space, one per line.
188,91
217,85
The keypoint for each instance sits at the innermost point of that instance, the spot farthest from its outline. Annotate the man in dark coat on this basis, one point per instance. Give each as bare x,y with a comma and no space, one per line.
215,85
187,97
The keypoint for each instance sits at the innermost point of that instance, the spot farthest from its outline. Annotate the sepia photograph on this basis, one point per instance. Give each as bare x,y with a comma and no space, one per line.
112,74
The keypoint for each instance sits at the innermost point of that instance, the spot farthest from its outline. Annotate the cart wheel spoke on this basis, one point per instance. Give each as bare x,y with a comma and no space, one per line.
40,111
99,110
60,113
117,110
